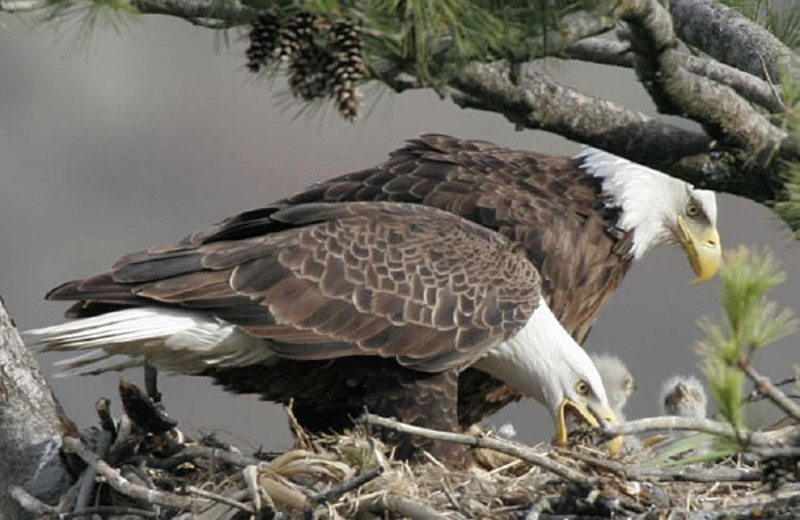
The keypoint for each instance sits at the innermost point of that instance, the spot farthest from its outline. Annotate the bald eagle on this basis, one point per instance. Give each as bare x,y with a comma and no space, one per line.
455,268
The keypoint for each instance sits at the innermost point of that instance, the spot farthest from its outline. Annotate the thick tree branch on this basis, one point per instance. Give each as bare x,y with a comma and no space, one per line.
605,51
731,38
537,101
722,112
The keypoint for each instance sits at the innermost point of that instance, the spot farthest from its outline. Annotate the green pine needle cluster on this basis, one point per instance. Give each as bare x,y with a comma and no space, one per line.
428,39
82,19
749,323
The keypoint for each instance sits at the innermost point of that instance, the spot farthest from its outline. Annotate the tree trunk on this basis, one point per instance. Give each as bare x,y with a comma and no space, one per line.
31,425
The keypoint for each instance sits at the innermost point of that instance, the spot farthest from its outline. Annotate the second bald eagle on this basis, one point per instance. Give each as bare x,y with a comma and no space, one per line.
580,223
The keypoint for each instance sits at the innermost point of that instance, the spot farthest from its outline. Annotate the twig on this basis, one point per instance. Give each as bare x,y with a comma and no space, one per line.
30,503
128,437
773,393
632,472
109,511
206,452
671,422
336,492
87,480
503,446
219,498
261,499
401,506
124,486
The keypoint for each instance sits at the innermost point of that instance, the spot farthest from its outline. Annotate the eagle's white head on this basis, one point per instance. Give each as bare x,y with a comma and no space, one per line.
659,210
544,362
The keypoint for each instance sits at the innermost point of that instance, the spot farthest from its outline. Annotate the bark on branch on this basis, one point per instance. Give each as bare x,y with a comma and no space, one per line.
724,114
731,38
618,53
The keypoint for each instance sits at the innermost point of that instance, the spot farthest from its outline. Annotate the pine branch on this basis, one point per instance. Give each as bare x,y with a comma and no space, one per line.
733,39
213,14
722,112
617,53
536,101
771,391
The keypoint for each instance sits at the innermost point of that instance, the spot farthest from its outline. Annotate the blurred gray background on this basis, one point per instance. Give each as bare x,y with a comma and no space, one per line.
158,131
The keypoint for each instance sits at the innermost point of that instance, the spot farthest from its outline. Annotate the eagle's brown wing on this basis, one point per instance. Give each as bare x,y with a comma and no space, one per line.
417,284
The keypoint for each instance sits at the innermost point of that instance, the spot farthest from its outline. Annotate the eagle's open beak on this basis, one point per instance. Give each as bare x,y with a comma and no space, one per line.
703,248
606,416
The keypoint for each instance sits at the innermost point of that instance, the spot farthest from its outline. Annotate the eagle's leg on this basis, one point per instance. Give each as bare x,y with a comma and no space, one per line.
421,399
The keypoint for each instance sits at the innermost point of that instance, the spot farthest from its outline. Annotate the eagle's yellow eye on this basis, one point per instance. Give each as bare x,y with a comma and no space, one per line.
692,210
582,387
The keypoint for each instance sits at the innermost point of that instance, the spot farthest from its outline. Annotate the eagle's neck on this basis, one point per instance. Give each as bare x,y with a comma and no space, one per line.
647,199
535,360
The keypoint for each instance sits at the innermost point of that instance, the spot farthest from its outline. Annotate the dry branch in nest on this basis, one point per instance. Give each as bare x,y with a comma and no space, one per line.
140,466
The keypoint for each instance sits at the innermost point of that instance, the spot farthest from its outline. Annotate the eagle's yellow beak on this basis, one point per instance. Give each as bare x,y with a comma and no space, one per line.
703,248
607,415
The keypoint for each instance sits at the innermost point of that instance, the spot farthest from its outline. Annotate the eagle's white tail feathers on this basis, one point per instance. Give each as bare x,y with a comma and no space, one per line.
170,339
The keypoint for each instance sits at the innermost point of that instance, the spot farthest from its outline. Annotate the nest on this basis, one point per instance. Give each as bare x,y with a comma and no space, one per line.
141,466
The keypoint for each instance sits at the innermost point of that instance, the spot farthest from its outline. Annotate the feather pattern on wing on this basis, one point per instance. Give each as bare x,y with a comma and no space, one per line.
402,281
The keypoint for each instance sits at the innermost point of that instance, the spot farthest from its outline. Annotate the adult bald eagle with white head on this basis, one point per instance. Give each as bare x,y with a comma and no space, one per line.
443,271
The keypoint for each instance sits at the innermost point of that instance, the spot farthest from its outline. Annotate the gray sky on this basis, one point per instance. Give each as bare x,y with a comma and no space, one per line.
154,133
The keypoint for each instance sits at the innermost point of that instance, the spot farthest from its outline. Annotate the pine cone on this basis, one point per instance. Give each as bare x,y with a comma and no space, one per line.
296,35
263,41
308,73
346,68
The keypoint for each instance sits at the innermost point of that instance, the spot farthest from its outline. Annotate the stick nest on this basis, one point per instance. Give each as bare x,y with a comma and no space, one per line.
141,466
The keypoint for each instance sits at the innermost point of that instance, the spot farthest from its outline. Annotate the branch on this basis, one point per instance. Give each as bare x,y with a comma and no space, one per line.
213,14
611,52
123,485
226,13
767,388
672,422
30,503
335,493
503,446
722,112
731,38
538,102
686,474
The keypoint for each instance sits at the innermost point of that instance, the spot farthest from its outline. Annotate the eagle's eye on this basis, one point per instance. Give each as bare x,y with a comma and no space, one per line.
692,210
582,387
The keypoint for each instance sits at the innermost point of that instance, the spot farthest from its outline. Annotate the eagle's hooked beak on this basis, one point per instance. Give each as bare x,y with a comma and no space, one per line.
606,415
703,248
